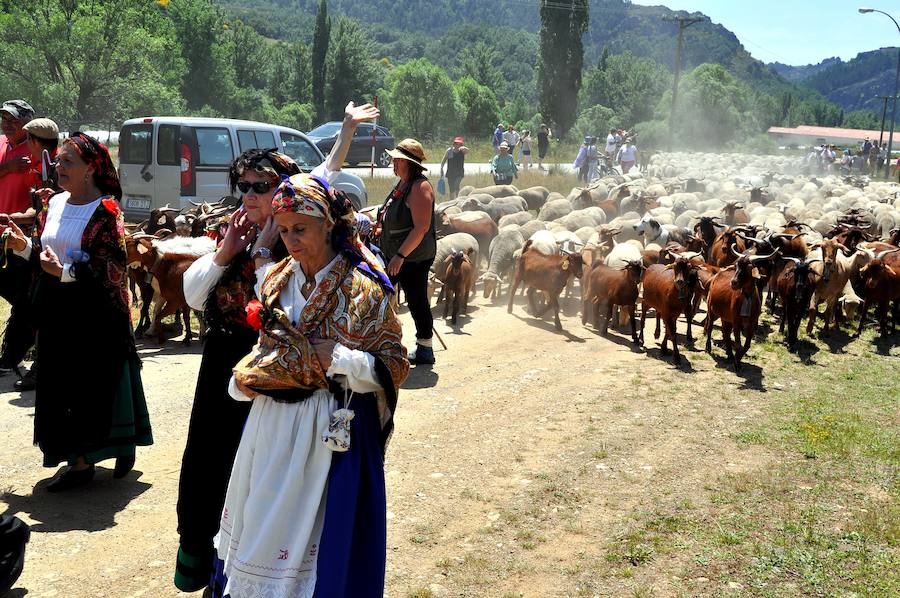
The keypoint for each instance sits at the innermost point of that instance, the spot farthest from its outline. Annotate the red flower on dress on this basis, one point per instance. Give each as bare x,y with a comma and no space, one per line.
111,205
253,310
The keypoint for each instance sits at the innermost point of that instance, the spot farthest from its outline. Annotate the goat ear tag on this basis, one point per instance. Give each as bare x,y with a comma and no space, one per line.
565,265
756,273
142,249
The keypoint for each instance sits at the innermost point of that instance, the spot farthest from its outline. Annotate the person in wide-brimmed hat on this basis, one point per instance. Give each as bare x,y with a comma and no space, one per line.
408,239
503,167
455,159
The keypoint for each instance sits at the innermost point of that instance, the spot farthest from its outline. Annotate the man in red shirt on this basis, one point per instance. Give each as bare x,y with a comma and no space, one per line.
17,178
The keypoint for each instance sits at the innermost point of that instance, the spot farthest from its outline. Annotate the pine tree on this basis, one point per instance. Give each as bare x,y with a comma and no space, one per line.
321,36
561,56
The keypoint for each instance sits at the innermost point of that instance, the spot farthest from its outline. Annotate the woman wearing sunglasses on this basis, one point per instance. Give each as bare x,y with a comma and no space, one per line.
222,285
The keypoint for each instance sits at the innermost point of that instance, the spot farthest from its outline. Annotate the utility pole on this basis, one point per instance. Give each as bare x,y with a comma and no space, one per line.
883,114
683,23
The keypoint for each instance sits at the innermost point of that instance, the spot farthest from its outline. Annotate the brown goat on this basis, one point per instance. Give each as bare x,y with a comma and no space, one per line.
881,285
547,273
795,285
167,270
719,253
458,282
608,287
735,214
669,290
139,278
734,297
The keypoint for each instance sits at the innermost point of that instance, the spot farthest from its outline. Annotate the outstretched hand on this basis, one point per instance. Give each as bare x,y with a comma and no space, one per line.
359,114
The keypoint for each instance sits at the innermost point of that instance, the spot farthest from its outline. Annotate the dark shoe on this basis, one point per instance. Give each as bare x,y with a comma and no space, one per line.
71,479
422,355
26,382
123,466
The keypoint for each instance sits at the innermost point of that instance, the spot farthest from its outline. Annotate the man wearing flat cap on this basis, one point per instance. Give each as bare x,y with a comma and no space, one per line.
17,177
21,147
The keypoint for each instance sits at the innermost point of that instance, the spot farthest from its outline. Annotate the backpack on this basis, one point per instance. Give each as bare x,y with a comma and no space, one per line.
14,534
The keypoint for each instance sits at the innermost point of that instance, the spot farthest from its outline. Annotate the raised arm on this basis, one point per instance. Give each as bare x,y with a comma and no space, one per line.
353,115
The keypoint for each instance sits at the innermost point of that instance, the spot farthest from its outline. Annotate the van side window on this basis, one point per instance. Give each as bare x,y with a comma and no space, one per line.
255,139
302,151
136,144
167,153
214,146
265,140
246,140
363,131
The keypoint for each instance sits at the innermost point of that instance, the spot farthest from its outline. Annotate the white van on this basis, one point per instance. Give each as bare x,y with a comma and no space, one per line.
177,160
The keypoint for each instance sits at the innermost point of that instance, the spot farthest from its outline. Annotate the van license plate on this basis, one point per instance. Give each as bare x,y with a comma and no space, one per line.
138,204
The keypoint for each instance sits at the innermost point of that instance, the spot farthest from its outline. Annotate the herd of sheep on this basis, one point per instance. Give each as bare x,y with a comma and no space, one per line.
710,208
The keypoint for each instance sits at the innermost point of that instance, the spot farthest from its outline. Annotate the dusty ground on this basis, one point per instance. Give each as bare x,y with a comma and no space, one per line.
519,467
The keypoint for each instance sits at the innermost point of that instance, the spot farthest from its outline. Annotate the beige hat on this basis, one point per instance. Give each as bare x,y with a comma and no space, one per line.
504,145
43,128
409,149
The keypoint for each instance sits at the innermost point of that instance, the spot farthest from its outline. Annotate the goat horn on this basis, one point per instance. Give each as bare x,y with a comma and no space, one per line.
796,260
690,254
736,252
757,258
746,238
885,252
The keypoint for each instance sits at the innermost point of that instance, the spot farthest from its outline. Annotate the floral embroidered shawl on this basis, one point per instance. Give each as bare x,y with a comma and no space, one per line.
349,308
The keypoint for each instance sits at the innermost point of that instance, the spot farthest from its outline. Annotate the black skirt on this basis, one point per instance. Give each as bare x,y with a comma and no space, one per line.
89,400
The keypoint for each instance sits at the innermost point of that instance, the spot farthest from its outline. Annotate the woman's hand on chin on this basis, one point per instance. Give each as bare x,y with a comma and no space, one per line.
239,235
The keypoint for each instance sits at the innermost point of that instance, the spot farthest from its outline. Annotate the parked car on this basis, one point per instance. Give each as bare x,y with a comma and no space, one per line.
178,160
326,134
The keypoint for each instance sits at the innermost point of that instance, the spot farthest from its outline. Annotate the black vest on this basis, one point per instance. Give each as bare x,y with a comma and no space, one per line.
396,224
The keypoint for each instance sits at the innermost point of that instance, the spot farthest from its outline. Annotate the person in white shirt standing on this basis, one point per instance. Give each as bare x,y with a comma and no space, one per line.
610,148
511,137
627,155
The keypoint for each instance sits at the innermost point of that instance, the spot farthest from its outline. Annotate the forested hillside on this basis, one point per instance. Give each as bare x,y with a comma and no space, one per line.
407,29
797,74
854,84
469,63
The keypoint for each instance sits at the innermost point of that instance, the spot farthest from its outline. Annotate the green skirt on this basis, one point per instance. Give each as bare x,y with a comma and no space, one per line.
130,423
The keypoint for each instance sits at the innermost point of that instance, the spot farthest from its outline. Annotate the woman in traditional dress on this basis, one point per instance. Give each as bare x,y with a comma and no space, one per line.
90,405
221,285
305,511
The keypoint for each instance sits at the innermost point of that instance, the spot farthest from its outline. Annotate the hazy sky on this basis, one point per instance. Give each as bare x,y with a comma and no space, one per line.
799,31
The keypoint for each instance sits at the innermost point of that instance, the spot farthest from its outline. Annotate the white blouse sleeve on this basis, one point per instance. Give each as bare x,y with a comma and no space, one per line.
26,252
323,172
199,279
66,275
354,369
261,274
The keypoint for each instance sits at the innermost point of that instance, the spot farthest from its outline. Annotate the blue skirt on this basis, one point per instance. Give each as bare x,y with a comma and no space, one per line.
353,547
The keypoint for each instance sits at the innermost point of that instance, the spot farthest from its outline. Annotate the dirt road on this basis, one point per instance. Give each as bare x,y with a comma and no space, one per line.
516,465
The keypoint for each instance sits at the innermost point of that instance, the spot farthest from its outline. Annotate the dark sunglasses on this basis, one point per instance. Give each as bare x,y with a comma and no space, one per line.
258,187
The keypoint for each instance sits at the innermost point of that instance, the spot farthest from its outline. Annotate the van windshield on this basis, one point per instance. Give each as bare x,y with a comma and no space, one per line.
302,151
136,144
326,130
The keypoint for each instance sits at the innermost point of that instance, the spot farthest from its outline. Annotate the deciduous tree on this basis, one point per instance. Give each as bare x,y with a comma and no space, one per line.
421,99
